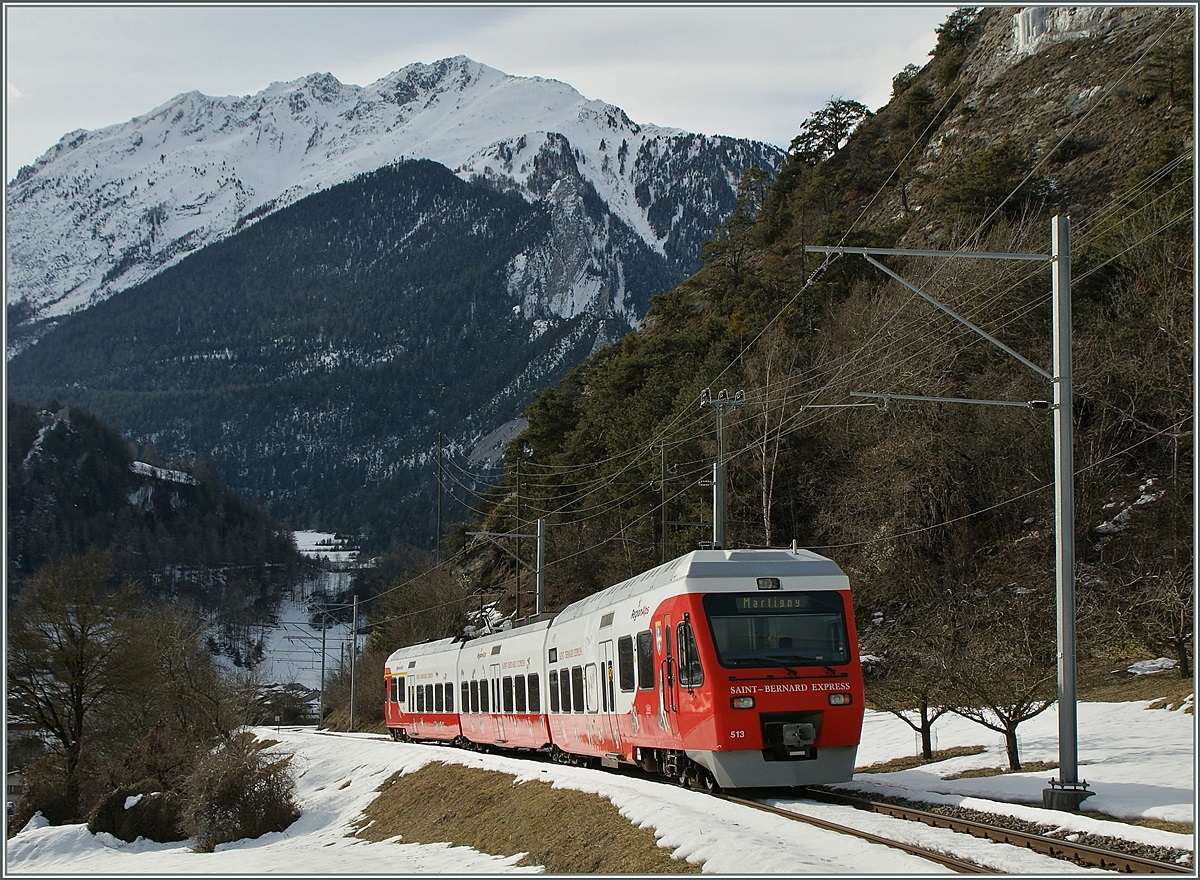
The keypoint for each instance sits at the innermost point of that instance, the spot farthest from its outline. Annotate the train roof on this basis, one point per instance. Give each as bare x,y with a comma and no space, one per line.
420,650
701,564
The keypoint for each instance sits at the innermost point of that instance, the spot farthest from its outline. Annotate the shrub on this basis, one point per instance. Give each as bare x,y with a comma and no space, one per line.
239,792
154,815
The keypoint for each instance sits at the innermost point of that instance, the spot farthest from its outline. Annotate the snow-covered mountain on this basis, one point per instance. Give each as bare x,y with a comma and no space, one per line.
103,210
307,287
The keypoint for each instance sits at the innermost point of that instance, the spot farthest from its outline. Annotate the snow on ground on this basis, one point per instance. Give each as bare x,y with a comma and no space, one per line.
1139,761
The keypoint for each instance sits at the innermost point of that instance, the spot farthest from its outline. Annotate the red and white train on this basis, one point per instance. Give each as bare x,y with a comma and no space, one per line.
730,668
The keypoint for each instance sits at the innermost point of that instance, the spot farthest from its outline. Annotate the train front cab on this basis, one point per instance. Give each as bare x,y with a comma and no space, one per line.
757,671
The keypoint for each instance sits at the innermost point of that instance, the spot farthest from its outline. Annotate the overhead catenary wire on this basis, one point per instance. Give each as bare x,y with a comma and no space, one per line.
854,368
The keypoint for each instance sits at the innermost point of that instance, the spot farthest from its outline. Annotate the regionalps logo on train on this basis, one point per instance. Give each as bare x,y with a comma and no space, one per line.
719,669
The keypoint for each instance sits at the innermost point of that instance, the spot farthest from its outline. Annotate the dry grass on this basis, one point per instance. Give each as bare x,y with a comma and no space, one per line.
567,832
1160,824
1027,767
1115,685
897,764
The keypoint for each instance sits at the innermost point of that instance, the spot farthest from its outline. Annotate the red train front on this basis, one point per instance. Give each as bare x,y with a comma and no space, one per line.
738,668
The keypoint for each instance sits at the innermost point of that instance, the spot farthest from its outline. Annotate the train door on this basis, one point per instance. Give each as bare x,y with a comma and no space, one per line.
497,707
608,692
668,698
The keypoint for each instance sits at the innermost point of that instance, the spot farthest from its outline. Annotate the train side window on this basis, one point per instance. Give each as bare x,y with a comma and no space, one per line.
412,694
519,693
466,697
474,696
449,696
553,690
483,695
564,684
535,693
421,699
625,661
577,688
507,686
645,657
691,673
439,700
592,680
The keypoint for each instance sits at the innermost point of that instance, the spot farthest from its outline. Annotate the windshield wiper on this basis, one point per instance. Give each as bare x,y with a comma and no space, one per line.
797,660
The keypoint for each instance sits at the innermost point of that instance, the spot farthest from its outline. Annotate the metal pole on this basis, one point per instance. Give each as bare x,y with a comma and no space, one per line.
324,627
517,612
663,486
353,660
722,404
719,485
1064,507
541,562
437,546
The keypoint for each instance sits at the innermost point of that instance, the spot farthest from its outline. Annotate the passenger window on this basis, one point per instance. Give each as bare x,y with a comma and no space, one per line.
475,696
564,682
625,662
483,695
535,693
577,688
519,693
466,697
645,656
553,690
421,699
439,702
449,696
506,686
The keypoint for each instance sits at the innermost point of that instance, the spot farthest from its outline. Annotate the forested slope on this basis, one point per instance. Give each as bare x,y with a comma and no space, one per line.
942,513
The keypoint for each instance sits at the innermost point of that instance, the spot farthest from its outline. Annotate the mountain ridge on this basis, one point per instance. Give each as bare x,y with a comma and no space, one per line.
195,169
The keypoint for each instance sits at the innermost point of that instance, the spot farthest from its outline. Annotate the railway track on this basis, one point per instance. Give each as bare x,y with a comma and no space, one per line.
1080,854
959,865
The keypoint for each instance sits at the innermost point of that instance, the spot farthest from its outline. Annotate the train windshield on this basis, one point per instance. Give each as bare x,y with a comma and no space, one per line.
780,629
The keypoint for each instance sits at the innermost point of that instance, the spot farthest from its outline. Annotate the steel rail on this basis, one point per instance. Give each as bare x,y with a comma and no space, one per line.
959,865
1081,854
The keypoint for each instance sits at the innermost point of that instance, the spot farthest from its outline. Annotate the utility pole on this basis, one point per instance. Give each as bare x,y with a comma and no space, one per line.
1067,792
517,612
663,486
437,546
353,659
722,404
539,568
324,627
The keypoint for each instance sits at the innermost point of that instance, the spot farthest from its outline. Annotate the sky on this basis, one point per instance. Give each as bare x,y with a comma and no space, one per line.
1137,760
746,70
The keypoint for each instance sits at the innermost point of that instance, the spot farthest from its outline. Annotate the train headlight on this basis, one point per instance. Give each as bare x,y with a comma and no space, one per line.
841,699
742,702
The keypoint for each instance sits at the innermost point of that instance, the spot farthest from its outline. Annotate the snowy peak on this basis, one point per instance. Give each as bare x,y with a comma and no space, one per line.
104,210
